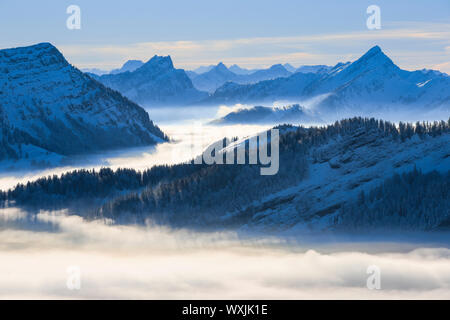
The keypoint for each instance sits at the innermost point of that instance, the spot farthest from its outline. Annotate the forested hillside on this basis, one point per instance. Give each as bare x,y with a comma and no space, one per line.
410,200
322,171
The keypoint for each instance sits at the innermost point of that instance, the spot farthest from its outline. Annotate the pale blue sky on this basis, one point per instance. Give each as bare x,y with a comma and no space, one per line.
252,33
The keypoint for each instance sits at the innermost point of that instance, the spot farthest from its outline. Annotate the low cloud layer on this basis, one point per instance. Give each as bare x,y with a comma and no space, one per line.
157,263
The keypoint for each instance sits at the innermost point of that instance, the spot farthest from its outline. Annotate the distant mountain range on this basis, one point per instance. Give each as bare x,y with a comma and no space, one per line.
155,83
242,71
356,174
217,76
373,82
130,65
48,107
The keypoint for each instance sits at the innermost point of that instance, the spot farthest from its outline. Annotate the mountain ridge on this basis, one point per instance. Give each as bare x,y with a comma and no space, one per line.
372,82
155,83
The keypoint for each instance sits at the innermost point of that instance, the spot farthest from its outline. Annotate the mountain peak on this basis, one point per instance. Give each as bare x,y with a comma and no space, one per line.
373,58
39,47
158,63
130,65
221,68
375,53
375,49
162,60
278,67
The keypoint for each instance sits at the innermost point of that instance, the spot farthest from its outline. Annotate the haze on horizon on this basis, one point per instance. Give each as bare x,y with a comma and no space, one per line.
295,32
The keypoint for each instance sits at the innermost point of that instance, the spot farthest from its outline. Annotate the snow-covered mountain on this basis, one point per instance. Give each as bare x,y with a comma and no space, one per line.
203,69
130,65
267,115
49,107
371,83
220,74
155,83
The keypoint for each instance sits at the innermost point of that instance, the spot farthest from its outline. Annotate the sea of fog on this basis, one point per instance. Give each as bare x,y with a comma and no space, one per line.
40,256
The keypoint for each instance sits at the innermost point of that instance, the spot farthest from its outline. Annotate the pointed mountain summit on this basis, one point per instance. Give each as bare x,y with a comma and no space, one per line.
155,83
48,106
374,58
369,84
221,66
222,69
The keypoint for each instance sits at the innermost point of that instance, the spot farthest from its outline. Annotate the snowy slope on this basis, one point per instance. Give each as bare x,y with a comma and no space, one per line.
48,104
155,83
238,70
337,173
321,171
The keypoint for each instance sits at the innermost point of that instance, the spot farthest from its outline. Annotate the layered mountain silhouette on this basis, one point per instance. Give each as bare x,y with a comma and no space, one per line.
220,74
370,83
130,65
